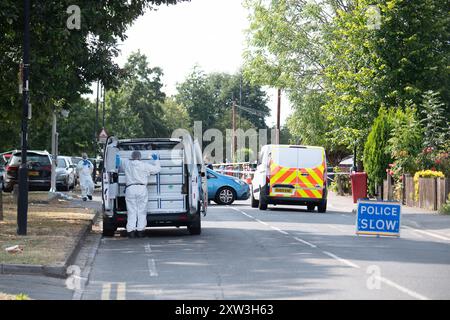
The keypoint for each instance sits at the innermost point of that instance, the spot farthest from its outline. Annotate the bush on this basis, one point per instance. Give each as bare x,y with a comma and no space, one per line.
376,156
445,209
341,184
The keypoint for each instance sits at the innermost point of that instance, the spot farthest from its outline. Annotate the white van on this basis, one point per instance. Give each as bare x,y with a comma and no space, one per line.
177,195
290,174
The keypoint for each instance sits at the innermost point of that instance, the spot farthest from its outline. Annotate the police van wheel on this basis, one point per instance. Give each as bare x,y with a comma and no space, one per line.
195,228
262,205
108,228
310,207
254,202
322,207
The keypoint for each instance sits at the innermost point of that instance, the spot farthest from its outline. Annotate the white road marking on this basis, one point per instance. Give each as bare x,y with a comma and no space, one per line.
121,291
431,234
344,261
262,222
106,291
148,248
152,267
402,289
279,230
305,242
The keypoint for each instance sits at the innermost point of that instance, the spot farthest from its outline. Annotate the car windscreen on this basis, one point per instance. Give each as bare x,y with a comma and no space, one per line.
61,163
43,160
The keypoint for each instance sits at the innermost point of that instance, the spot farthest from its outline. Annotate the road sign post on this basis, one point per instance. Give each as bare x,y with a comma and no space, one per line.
378,218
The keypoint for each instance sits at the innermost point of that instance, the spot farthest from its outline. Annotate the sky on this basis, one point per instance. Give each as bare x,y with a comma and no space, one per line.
207,33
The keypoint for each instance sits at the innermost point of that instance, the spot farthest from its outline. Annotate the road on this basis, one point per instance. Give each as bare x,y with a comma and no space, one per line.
283,253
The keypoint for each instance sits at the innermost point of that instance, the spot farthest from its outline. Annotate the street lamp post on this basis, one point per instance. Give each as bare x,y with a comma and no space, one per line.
22,201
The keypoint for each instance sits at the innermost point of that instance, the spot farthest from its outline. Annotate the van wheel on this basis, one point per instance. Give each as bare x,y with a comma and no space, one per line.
254,202
262,205
225,196
311,207
322,207
109,229
195,228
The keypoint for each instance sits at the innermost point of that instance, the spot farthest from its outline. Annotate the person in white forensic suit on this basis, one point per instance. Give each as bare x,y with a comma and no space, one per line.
85,169
137,174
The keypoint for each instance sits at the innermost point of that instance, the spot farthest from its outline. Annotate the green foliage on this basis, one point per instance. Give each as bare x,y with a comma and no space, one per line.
341,183
338,72
376,157
63,62
209,97
436,126
445,209
405,142
175,115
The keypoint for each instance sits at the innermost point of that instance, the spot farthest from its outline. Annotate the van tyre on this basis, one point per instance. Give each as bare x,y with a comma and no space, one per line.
310,207
195,228
322,207
254,202
225,196
109,229
262,205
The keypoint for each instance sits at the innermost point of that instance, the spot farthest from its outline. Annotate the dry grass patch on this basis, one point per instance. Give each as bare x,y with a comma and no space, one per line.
53,228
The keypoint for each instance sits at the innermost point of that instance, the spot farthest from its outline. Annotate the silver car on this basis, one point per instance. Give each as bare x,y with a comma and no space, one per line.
65,173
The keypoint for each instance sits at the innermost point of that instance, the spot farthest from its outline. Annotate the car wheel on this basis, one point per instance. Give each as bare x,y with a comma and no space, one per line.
66,186
254,202
322,207
225,196
8,188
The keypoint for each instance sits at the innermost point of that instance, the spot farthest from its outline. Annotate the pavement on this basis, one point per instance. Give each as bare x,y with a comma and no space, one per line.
243,253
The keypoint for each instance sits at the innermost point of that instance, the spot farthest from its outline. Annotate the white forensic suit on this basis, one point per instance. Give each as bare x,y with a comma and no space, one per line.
137,174
85,169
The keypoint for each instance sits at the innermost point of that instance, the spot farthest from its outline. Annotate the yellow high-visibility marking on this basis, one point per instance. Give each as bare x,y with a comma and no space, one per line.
279,174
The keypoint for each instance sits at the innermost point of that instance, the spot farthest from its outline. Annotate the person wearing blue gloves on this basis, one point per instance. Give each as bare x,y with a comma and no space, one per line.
85,169
137,174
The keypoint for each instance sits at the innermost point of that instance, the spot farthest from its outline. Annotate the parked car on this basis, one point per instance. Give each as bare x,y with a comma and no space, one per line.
290,175
65,173
75,161
39,170
224,189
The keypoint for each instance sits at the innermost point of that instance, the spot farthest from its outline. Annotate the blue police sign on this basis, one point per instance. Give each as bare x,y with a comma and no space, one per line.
378,218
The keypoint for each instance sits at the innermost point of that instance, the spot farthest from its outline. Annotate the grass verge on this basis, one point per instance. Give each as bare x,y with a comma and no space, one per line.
53,228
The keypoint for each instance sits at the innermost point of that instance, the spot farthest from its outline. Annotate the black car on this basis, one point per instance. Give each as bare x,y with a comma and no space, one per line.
39,170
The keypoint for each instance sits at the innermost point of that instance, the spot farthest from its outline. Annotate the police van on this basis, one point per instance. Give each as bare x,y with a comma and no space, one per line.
290,175
177,196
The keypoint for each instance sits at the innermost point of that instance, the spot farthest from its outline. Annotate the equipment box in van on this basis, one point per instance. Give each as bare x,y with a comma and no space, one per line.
290,175
177,196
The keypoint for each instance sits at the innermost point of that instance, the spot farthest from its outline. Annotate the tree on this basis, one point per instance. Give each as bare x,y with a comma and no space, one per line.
175,115
63,62
135,108
436,126
376,156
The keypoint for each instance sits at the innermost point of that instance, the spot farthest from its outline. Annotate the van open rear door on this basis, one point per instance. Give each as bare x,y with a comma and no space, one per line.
110,186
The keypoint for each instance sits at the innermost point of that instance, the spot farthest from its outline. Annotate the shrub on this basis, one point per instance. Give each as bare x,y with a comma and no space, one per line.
376,156
445,209
341,184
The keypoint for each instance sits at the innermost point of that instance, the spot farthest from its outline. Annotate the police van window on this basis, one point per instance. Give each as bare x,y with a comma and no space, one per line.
310,158
285,157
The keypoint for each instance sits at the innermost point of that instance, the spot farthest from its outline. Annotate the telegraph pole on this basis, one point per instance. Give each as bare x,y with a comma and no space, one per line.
278,118
22,201
233,142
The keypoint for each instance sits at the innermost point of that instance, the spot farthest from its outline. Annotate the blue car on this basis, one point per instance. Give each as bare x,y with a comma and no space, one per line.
225,189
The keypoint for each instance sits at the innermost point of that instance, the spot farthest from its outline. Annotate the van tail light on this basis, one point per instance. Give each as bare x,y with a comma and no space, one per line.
267,179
